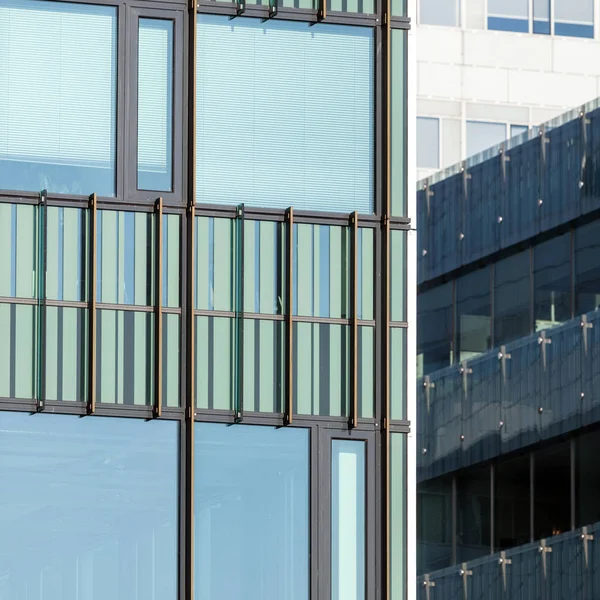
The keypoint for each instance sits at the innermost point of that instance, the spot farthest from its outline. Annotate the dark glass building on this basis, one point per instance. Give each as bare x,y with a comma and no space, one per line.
509,357
204,239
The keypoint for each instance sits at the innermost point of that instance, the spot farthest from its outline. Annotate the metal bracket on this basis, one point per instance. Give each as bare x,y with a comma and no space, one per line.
584,329
239,313
543,341
465,372
466,176
240,9
503,356
585,538
543,550
158,337
428,584
353,420
289,318
91,400
428,194
41,301
543,140
428,385
465,573
584,123
503,561
273,10
504,158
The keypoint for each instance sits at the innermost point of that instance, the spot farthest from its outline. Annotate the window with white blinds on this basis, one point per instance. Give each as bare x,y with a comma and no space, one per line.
285,114
58,96
155,105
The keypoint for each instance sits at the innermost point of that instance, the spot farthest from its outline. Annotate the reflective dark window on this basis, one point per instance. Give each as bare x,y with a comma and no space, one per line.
512,318
251,513
92,510
552,282
434,333
587,268
474,519
587,479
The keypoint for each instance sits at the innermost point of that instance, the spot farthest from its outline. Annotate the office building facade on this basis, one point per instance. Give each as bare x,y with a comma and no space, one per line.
203,385
508,357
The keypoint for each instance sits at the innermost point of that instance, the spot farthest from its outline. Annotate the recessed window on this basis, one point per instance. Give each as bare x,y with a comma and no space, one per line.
428,143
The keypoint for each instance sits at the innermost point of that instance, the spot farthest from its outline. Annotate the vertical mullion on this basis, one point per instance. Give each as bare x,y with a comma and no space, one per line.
239,310
354,308
41,298
289,217
91,402
158,301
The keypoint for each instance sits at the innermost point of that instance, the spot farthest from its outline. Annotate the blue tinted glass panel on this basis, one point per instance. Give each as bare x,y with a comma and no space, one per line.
439,12
155,104
428,143
482,135
251,513
517,130
508,15
310,145
541,16
574,18
58,97
92,510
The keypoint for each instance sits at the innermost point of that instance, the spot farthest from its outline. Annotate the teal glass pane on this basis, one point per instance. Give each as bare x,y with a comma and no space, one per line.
215,266
366,372
399,8
155,105
348,520
264,267
398,275
171,259
310,145
66,353
398,372
351,6
171,362
398,117
67,254
18,251
366,270
125,258
398,517
18,331
251,512
321,271
321,369
215,375
264,365
49,137
93,508
125,357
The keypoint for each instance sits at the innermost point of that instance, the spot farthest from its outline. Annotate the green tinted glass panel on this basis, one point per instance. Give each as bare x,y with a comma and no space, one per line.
66,353
17,347
215,266
215,362
366,371
321,369
398,275
366,269
398,8
398,372
321,271
170,359
125,357
18,250
398,516
264,267
264,365
67,259
171,253
398,121
352,6
125,258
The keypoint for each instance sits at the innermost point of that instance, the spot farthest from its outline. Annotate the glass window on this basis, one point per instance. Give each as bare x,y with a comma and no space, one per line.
155,105
473,314
366,372
171,252
398,275
49,137
366,274
474,519
587,268
270,149
587,479
516,130
398,516
574,18
508,15
93,507
428,143
512,311
482,135
439,12
434,329
171,324
541,16
251,513
352,6
398,121
348,520
552,282
398,372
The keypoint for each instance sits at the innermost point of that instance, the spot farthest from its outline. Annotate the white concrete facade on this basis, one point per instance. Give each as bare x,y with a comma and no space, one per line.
470,73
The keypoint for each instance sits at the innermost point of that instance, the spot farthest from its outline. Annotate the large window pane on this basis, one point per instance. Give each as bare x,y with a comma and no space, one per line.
398,372
92,510
508,15
171,252
348,522
398,119
552,282
58,97
473,314
474,522
434,329
366,372
512,318
398,516
155,105
171,359
574,18
251,513
366,274
587,479
269,149
481,136
439,12
428,143
398,275
587,268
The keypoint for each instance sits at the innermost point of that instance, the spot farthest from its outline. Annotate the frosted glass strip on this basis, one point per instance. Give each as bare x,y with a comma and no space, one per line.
304,240
201,332
24,380
172,263
268,272
72,251
52,242
201,266
338,283
251,273
26,252
224,264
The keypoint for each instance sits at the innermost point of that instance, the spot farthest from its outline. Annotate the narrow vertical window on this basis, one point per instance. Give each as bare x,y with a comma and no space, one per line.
155,105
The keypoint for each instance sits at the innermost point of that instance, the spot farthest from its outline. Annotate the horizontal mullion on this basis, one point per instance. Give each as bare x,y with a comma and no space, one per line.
16,300
66,303
170,310
125,307
398,325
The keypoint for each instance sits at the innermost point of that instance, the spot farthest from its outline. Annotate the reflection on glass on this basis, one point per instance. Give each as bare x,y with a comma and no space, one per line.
348,504
125,357
155,105
434,329
50,138
251,513
93,507
587,268
125,257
